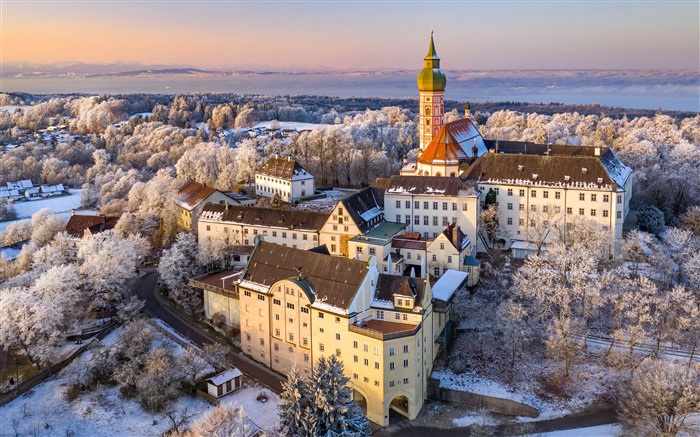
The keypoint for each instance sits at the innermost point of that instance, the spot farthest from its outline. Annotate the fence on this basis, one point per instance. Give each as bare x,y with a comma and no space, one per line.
52,370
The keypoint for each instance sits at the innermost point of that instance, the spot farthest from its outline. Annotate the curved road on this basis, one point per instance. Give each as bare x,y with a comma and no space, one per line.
145,288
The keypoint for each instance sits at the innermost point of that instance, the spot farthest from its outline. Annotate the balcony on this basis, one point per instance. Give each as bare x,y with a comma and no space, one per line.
383,330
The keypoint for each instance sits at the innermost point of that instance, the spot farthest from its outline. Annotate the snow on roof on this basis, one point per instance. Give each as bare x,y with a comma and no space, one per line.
4,192
526,245
224,377
447,285
371,213
52,188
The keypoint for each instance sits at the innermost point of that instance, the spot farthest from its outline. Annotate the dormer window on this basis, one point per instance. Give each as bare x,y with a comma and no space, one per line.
520,168
600,180
534,176
567,178
584,170
403,302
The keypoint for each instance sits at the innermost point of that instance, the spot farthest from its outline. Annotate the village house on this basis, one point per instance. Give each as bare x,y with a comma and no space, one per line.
286,178
192,197
80,226
241,225
297,306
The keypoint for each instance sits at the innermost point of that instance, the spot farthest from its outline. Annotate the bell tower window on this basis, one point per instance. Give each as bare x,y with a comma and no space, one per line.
427,122
427,111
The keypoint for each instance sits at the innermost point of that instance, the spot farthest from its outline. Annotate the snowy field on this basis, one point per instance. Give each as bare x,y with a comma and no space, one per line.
60,205
44,411
265,415
27,208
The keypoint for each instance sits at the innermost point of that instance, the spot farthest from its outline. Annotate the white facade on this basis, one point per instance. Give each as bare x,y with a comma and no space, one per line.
430,214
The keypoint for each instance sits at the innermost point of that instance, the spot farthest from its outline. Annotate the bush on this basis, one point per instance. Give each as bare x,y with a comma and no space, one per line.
127,391
73,392
262,397
651,219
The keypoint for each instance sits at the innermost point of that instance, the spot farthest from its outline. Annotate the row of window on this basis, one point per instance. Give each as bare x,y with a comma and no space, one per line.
426,205
557,195
426,220
569,210
277,181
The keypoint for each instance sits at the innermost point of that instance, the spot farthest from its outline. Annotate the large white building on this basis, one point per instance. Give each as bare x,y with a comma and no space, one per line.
286,178
242,225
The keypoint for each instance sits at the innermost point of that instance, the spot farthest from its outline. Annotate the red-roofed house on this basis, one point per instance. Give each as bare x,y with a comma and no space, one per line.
191,199
80,226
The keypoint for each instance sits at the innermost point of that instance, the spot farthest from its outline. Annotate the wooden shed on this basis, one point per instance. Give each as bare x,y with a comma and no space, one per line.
224,383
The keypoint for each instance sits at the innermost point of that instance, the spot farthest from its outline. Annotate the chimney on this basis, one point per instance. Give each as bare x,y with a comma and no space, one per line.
226,206
72,212
405,159
596,151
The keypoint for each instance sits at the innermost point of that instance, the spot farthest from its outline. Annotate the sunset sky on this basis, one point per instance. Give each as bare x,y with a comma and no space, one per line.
361,35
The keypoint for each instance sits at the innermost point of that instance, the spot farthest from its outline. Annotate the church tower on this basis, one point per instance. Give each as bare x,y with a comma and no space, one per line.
431,87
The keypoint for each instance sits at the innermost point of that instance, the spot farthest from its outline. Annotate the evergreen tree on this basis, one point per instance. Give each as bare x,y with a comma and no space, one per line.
321,405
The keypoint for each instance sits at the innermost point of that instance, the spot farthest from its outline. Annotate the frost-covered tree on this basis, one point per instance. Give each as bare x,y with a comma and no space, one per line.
108,262
158,383
658,399
323,404
691,220
177,265
225,420
45,226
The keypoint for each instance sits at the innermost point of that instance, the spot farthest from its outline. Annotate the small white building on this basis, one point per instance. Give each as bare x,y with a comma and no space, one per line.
224,383
285,177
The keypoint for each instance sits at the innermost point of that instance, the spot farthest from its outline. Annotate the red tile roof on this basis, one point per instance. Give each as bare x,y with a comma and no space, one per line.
193,194
78,224
443,149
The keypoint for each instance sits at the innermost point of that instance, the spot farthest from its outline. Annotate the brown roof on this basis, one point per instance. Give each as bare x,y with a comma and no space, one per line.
426,185
282,168
225,279
386,327
537,169
268,217
192,194
456,236
389,286
333,280
403,243
78,224
468,136
443,149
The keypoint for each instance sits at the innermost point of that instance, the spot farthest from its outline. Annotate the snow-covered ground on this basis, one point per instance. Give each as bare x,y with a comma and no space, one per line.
97,413
474,383
292,125
27,208
265,415
612,430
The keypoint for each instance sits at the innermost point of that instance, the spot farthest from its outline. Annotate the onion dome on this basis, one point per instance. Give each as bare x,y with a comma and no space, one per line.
431,77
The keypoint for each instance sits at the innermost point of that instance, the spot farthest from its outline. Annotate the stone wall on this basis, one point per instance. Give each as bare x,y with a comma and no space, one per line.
478,401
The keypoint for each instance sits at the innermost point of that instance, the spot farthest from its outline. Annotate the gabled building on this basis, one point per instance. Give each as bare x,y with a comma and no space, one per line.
192,197
80,226
354,215
542,189
242,225
286,178
297,306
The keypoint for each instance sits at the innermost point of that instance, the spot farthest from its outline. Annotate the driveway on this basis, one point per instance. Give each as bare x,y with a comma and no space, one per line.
145,289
